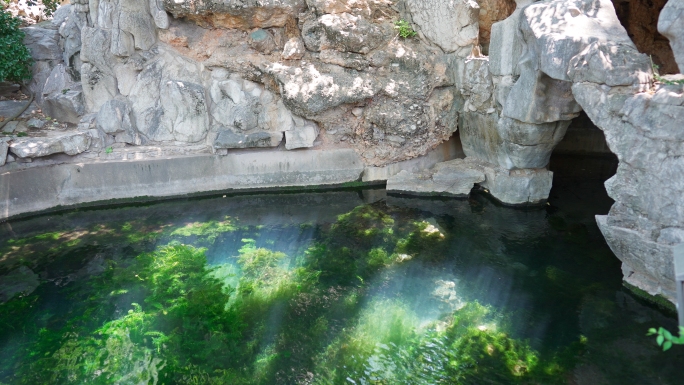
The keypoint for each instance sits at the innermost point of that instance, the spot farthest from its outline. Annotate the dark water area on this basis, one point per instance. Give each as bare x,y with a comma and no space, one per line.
339,287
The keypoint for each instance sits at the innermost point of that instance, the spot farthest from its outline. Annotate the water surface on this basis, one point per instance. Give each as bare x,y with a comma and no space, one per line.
344,287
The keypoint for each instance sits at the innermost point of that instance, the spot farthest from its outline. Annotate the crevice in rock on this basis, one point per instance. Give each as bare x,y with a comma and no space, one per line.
640,19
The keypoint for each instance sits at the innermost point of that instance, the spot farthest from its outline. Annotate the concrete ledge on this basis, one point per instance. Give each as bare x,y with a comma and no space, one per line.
41,188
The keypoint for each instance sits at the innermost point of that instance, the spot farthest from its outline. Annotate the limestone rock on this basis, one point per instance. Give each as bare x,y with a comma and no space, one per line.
538,98
43,43
294,49
262,41
506,43
243,14
344,32
518,187
302,136
98,87
4,150
70,144
452,25
168,100
452,178
612,65
353,7
671,25
228,139
62,98
114,119
558,30
313,89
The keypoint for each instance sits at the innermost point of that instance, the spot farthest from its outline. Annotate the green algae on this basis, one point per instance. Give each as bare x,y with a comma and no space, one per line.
264,314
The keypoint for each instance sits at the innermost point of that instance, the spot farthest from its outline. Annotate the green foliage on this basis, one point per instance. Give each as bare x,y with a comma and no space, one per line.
404,28
666,339
660,79
109,150
15,58
50,5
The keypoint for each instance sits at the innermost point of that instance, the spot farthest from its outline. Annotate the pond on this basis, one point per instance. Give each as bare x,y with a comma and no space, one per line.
337,287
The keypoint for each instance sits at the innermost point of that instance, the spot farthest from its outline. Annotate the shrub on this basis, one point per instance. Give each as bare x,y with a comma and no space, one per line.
15,58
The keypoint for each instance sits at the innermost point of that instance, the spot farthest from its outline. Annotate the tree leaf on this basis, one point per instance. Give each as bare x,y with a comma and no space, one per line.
660,340
667,345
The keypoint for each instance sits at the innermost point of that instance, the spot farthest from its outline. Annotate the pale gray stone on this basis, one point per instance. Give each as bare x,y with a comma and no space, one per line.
671,25
538,98
518,187
452,25
4,150
452,178
344,32
301,137
161,19
98,87
35,123
114,119
43,43
244,14
294,49
612,65
70,144
505,44
66,105
228,139
312,89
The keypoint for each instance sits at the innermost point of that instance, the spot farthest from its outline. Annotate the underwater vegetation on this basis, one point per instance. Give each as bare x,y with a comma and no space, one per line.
379,296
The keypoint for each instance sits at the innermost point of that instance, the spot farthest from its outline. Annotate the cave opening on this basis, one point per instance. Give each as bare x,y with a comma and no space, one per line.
582,163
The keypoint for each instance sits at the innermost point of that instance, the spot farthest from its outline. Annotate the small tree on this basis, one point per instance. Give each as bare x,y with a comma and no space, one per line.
15,58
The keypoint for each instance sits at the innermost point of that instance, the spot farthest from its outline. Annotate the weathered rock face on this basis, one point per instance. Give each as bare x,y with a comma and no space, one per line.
640,19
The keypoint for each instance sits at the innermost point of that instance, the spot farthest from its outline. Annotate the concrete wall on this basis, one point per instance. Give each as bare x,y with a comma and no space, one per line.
40,188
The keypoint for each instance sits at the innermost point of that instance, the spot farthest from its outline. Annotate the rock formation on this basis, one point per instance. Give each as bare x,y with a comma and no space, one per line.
281,77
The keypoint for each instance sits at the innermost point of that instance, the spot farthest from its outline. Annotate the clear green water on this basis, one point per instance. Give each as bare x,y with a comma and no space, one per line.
346,287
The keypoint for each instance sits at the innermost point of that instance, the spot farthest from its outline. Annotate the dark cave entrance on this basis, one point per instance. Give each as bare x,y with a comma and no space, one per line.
581,164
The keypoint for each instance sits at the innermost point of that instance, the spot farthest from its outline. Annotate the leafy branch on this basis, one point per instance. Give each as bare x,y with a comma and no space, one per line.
665,338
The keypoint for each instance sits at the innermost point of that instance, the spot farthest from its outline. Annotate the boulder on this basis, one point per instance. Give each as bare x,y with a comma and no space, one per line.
302,136
453,178
62,99
43,43
114,119
70,144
